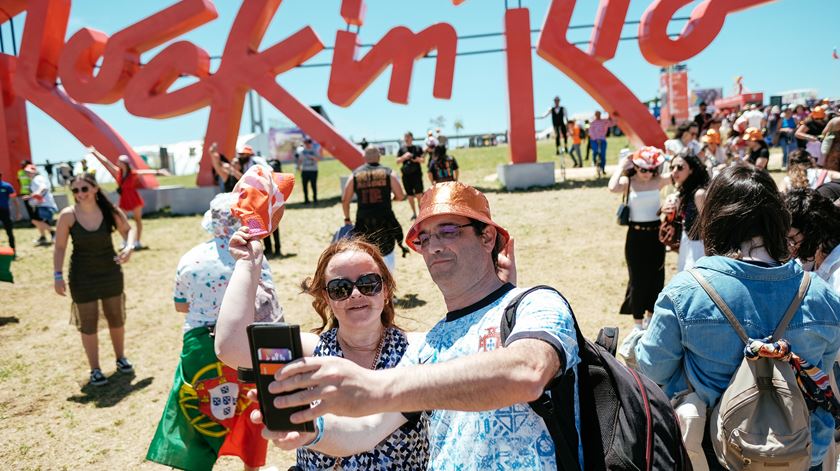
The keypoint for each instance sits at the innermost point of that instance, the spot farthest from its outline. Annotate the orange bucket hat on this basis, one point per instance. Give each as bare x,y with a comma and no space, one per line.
753,134
818,112
711,137
457,199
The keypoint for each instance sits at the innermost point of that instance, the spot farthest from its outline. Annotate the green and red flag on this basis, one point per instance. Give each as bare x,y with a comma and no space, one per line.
206,415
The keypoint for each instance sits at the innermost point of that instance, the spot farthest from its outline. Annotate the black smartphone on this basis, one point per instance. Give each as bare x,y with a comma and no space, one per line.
273,345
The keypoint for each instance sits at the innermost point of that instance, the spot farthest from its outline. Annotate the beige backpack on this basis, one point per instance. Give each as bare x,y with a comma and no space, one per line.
761,421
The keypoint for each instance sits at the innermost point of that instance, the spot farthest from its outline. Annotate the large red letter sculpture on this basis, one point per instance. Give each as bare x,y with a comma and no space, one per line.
705,24
588,71
242,68
44,56
520,81
400,48
35,81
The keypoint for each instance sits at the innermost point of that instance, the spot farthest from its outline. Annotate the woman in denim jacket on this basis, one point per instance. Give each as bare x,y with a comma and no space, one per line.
744,225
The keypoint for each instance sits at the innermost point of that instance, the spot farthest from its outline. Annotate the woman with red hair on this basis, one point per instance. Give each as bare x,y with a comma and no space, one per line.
640,180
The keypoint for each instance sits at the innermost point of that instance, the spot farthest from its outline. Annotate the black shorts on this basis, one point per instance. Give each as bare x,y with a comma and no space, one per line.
413,184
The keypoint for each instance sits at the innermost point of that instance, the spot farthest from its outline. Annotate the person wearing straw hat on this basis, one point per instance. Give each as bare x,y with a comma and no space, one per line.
475,394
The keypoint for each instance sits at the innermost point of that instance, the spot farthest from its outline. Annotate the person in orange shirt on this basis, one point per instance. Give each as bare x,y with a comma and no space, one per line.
576,134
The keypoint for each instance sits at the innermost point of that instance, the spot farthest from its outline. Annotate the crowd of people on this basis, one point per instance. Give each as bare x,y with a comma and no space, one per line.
452,398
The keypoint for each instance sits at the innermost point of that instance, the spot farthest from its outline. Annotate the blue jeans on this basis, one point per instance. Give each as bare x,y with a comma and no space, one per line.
788,145
576,150
599,152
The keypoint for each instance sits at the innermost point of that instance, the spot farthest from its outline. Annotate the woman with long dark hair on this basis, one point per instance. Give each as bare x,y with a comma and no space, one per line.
691,179
95,278
128,182
690,342
641,180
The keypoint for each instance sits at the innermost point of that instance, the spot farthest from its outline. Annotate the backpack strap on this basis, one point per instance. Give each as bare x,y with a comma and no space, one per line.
562,431
721,304
794,306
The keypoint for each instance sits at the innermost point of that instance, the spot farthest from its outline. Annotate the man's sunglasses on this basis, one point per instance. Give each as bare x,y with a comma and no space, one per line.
340,289
83,189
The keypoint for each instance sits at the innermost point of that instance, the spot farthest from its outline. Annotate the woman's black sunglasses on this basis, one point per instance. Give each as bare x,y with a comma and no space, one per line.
340,289
83,189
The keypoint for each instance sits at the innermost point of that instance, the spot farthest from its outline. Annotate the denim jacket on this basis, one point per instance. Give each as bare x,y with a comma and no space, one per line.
689,336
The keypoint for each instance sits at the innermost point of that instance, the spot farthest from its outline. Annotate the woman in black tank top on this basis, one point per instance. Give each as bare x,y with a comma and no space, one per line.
95,276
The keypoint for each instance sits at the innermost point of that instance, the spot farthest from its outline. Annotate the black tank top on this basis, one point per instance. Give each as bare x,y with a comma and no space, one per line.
558,115
375,221
372,183
93,272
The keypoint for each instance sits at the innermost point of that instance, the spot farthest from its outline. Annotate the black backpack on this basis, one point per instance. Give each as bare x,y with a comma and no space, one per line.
636,429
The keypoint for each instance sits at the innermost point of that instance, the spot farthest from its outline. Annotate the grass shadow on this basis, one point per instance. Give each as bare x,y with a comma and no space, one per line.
118,388
566,185
409,301
322,203
281,256
9,320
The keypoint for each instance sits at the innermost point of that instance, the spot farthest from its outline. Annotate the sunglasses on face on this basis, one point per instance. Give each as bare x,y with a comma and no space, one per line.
645,170
340,289
83,189
444,232
679,167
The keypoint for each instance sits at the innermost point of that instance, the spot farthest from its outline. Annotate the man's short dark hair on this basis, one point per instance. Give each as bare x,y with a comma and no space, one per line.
817,218
479,227
742,203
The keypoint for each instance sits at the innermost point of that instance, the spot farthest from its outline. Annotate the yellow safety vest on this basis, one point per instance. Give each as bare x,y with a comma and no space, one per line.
24,181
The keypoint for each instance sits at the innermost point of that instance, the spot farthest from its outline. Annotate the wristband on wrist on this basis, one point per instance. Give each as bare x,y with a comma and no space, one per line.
347,219
58,275
319,426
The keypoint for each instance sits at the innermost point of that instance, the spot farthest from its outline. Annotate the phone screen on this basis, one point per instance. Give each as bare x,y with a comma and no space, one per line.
273,345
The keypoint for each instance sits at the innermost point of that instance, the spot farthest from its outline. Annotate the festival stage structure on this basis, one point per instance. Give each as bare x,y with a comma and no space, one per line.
95,68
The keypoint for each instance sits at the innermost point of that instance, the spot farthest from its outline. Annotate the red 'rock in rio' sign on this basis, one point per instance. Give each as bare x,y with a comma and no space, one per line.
145,89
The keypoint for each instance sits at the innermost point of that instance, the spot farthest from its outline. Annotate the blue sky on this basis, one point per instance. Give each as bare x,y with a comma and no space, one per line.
776,47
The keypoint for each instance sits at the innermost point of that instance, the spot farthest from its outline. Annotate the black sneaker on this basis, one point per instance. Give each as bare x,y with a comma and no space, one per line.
124,366
97,378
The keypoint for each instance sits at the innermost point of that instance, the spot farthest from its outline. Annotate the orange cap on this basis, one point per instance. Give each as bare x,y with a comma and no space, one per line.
818,112
457,199
711,137
246,150
753,134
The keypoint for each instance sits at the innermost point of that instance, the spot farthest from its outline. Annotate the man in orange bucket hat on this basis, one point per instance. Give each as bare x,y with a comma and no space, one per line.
759,153
457,373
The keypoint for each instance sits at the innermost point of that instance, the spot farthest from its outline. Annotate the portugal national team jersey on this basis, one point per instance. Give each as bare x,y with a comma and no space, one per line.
513,438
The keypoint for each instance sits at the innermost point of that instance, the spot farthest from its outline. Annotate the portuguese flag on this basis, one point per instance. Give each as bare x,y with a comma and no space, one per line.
7,254
206,415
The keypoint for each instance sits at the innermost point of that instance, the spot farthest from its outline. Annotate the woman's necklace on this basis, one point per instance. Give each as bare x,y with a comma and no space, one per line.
368,348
